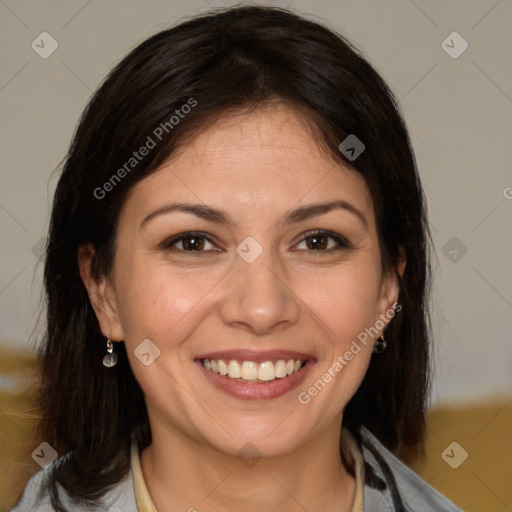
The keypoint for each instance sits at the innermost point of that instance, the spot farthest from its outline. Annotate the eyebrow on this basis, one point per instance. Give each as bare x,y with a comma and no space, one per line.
292,217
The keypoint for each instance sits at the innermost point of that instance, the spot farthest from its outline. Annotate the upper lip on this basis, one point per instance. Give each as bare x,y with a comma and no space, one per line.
256,356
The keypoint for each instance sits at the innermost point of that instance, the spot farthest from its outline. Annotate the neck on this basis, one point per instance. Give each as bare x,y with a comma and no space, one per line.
183,475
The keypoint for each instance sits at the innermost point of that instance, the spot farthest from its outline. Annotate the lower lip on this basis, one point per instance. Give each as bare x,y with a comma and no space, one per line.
257,390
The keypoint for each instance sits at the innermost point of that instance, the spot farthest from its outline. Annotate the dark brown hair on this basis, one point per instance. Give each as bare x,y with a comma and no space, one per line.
225,61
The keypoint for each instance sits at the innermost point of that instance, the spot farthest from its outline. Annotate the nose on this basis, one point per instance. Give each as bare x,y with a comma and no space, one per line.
259,297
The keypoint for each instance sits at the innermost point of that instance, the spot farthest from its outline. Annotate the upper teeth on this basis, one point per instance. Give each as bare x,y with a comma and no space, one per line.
249,370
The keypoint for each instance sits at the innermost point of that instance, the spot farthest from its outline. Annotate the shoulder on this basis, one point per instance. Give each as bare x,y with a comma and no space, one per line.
401,483
33,497
120,498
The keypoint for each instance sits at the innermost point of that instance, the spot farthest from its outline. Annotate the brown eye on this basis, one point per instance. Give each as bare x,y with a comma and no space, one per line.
324,241
194,243
317,242
190,242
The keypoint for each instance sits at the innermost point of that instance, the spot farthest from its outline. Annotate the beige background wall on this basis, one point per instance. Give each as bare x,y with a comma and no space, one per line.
459,113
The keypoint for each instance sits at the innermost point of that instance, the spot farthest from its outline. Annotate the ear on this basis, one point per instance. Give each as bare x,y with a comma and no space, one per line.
391,286
101,295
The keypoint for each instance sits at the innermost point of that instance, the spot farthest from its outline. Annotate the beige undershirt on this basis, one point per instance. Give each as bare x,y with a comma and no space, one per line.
348,446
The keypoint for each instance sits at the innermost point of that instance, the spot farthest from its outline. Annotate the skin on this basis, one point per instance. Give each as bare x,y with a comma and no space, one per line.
255,167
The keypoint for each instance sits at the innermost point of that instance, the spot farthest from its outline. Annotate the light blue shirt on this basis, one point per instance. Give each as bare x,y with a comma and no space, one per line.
400,488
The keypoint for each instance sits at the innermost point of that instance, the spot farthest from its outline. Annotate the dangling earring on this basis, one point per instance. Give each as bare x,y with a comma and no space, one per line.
110,359
380,346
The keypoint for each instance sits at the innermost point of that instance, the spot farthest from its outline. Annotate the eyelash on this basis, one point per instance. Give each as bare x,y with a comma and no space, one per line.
342,242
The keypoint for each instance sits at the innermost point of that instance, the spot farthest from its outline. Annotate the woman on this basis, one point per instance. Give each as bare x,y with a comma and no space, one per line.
237,282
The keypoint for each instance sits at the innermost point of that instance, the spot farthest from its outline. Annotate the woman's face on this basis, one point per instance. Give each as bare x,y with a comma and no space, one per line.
253,286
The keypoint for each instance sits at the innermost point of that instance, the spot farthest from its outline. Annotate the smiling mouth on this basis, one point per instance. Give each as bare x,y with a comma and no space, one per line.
250,371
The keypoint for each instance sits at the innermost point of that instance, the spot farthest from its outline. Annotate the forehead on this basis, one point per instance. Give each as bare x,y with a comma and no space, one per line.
272,136
266,159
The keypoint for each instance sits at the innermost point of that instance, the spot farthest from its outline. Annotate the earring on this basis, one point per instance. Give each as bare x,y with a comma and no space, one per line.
380,346
110,359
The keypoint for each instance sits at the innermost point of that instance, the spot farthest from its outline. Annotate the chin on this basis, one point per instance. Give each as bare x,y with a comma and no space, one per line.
261,440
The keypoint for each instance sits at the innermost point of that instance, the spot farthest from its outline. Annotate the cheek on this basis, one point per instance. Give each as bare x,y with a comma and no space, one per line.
347,305
159,302
346,301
